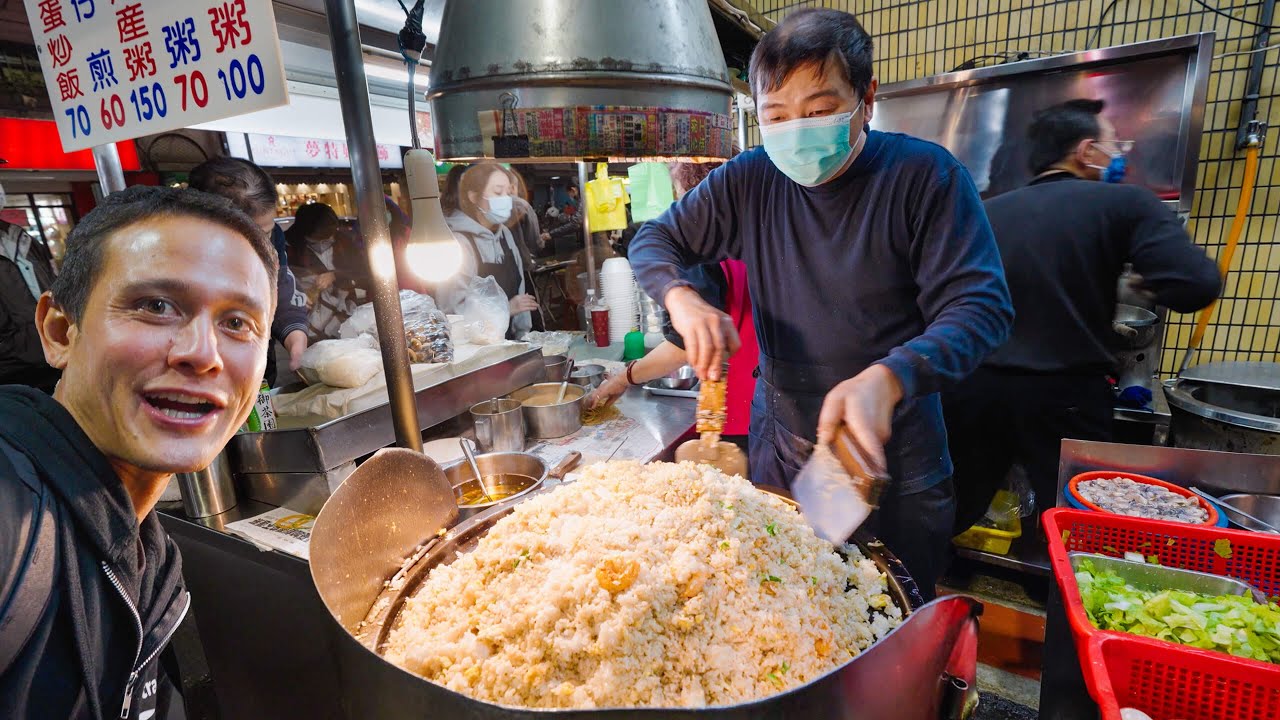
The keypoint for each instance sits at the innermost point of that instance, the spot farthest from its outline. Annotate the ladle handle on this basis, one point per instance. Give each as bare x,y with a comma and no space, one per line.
563,467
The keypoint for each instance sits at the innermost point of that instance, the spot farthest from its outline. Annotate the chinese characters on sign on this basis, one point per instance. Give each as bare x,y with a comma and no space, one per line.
120,69
285,151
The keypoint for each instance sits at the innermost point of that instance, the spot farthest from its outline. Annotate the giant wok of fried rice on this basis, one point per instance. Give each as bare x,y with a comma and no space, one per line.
657,585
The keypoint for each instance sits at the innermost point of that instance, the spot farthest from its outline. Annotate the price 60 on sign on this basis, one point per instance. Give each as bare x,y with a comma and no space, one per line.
121,69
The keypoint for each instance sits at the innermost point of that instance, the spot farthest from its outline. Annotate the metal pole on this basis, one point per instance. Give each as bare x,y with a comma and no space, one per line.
353,93
586,225
106,158
742,125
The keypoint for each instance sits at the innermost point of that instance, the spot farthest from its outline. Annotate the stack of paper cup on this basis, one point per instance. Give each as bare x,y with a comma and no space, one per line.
618,289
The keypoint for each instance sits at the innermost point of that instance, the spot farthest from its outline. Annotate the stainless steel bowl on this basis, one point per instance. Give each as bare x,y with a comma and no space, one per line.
509,474
1264,507
683,379
543,420
587,375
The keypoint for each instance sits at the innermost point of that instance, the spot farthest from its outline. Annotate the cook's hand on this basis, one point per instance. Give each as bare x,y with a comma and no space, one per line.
543,239
608,392
522,303
296,343
865,403
709,335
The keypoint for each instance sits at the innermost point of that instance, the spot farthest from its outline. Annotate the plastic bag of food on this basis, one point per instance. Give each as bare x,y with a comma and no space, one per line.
428,338
484,307
362,321
342,363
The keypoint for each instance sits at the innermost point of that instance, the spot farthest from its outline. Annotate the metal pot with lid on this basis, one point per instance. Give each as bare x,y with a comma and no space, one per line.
391,522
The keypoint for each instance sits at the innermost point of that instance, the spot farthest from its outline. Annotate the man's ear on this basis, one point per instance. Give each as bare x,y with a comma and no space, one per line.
1082,151
869,100
57,331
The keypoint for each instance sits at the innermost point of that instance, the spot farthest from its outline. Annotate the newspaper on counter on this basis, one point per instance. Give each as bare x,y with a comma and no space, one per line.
619,439
280,529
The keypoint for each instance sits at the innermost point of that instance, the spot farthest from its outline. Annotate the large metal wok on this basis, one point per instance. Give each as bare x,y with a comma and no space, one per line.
388,525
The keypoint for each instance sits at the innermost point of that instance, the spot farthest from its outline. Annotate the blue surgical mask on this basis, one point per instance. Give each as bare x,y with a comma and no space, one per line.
811,151
499,209
1114,171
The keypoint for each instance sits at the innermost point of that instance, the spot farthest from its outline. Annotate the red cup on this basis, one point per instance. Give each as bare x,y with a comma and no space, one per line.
600,326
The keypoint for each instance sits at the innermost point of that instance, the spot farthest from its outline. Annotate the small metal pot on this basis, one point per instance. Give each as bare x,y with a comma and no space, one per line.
590,376
512,475
555,366
499,425
551,421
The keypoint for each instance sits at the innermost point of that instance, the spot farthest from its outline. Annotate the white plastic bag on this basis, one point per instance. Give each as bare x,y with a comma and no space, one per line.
484,308
342,363
362,322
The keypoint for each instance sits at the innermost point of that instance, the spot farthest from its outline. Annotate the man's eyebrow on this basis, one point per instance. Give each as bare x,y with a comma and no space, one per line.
819,95
181,288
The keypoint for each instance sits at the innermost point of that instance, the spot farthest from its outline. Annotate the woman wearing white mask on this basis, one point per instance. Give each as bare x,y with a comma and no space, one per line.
486,196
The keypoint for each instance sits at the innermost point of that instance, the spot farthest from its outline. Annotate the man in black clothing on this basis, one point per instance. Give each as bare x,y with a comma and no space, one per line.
1064,240
159,321
26,270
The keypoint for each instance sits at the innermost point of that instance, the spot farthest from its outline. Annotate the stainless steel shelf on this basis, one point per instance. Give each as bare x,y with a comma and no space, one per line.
336,442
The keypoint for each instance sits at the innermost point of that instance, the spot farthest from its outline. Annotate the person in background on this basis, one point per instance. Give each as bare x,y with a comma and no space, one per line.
485,202
327,267
1064,240
527,233
251,189
159,321
572,204
449,189
723,286
26,271
875,280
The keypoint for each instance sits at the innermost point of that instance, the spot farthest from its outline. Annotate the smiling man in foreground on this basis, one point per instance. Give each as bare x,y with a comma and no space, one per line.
159,322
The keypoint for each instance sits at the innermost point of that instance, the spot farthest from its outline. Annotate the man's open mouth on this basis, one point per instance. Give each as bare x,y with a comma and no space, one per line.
179,406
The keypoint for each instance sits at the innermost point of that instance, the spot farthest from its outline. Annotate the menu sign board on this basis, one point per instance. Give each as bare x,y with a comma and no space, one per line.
121,69
286,151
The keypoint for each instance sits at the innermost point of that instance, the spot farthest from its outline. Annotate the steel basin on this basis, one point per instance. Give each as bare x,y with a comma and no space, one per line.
1264,507
1231,418
512,467
929,661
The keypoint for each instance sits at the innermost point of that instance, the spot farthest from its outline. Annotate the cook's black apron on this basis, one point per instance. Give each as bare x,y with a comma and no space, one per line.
784,421
504,271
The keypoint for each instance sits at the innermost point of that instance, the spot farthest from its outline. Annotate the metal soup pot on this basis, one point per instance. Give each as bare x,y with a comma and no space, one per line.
382,532
542,418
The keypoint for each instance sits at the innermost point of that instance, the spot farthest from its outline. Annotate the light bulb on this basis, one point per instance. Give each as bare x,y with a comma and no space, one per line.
432,252
433,261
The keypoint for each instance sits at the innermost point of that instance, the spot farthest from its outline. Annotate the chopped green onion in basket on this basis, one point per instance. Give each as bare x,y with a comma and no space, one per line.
1232,624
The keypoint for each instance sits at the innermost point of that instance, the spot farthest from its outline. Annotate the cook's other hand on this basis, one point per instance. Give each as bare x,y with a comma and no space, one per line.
522,303
608,392
296,343
709,335
324,281
865,403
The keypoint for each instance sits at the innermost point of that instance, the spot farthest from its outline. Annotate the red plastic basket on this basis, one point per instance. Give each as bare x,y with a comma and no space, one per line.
1165,680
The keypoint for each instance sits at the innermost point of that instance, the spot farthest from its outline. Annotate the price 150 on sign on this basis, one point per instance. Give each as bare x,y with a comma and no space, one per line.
117,69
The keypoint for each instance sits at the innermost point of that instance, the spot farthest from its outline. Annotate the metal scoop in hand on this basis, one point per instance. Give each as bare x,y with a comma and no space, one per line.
835,489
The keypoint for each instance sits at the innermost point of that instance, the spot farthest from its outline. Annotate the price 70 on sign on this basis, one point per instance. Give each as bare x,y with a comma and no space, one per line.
121,69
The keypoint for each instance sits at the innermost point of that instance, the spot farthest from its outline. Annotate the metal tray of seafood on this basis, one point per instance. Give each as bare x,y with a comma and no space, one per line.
1147,576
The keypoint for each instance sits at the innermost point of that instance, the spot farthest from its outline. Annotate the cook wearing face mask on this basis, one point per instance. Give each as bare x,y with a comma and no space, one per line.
874,278
486,197
1064,239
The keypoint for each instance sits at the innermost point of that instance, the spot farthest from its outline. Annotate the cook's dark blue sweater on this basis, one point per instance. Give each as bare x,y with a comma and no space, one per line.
893,262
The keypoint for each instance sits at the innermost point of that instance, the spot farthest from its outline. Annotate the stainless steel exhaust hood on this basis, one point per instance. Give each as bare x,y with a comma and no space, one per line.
566,79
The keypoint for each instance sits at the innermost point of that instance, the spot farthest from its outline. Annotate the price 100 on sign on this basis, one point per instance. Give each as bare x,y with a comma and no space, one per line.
117,69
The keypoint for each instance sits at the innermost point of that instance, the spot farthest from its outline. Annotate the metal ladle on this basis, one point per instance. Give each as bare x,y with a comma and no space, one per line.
471,460
568,371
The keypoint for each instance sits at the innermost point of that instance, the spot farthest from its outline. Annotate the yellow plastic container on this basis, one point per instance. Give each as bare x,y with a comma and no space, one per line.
986,539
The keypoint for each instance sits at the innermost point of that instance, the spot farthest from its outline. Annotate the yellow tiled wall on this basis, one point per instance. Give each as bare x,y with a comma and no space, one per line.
917,38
